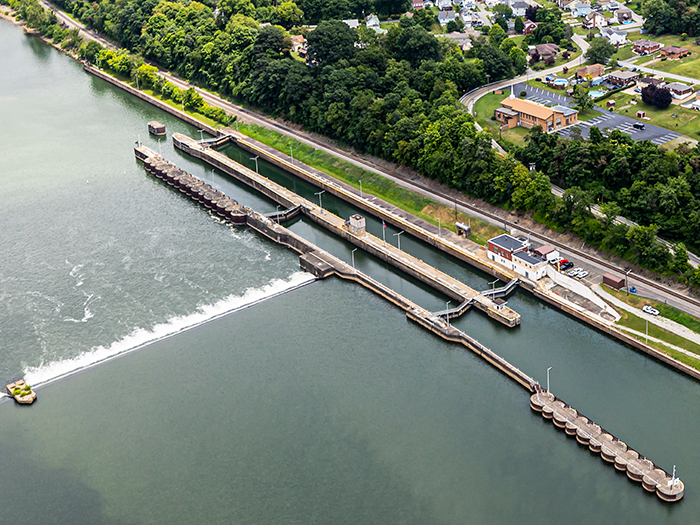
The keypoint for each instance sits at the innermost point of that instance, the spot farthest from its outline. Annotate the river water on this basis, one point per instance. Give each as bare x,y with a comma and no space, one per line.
319,405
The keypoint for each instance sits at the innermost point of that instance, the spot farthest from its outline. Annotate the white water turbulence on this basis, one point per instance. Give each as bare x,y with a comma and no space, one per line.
45,373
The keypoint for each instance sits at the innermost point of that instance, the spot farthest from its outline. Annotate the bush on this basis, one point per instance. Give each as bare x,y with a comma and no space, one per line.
523,94
16,392
27,387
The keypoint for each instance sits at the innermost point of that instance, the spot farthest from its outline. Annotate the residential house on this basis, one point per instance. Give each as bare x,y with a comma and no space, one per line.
417,4
564,4
445,17
512,253
605,4
544,50
594,20
519,8
679,90
645,46
469,4
615,36
622,78
444,5
373,24
673,52
298,41
353,23
623,14
590,72
579,9
651,81
463,40
529,26
516,112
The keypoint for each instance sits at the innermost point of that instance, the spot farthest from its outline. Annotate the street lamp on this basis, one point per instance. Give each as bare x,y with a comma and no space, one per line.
361,189
493,288
201,135
291,153
398,239
320,202
278,214
447,312
256,162
548,378
352,254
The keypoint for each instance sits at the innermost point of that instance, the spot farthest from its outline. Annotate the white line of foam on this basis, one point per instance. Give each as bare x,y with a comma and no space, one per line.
140,337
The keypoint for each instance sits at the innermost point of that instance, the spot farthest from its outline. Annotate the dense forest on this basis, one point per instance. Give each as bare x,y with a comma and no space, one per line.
671,16
396,96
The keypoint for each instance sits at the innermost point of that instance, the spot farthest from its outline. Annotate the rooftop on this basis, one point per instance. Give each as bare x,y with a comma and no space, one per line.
675,49
527,107
678,86
565,110
624,75
528,258
508,242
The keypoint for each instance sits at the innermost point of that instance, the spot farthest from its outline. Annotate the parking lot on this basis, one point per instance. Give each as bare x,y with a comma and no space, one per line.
606,119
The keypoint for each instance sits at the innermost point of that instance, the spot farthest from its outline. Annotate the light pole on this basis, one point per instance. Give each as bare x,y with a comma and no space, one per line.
493,288
398,239
447,312
647,332
278,214
361,189
201,135
548,378
320,202
291,153
256,162
352,254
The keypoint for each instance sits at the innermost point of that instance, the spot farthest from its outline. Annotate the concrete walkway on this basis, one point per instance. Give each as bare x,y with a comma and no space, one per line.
659,321
644,337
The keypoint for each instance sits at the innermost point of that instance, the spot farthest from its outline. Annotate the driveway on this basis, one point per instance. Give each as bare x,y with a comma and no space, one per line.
606,119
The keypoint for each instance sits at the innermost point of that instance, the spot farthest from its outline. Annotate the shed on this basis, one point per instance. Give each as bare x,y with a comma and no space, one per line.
543,251
613,281
156,128
611,103
641,114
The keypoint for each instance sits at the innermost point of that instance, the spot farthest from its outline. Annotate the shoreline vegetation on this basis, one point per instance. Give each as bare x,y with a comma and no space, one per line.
404,116
429,210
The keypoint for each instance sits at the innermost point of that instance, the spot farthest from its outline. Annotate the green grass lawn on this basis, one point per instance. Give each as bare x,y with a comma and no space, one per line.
689,321
636,323
688,66
623,53
588,114
372,184
486,105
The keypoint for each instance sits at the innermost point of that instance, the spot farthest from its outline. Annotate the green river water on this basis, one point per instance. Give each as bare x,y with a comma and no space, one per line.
258,396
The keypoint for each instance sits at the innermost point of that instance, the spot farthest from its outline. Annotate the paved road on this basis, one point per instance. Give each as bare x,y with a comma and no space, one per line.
415,186
630,63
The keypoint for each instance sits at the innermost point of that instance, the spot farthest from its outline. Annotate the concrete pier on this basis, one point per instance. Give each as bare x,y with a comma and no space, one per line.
611,449
413,266
322,265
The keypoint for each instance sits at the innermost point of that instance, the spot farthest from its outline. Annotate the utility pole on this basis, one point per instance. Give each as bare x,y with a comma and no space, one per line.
398,239
447,312
256,162
548,378
320,202
352,254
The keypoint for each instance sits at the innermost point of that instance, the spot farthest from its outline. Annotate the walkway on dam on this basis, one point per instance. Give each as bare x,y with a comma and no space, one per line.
415,267
322,264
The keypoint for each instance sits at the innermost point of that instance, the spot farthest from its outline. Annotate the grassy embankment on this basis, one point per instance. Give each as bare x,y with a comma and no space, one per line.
689,321
484,109
372,184
636,323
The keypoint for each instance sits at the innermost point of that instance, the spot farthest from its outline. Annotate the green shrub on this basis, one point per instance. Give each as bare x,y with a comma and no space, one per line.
27,387
16,392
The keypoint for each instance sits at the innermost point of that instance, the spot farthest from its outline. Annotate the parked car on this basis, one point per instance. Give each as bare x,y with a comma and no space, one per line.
567,265
582,274
638,125
574,272
650,310
555,261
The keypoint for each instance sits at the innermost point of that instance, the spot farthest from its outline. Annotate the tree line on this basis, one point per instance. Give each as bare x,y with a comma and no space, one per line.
396,96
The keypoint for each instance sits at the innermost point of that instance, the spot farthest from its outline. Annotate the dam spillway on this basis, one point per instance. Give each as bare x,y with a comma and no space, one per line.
322,264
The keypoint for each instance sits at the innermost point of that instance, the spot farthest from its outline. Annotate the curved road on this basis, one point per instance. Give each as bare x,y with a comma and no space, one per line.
651,289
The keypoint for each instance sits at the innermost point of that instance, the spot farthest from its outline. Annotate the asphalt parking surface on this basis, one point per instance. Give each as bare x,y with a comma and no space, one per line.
606,119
